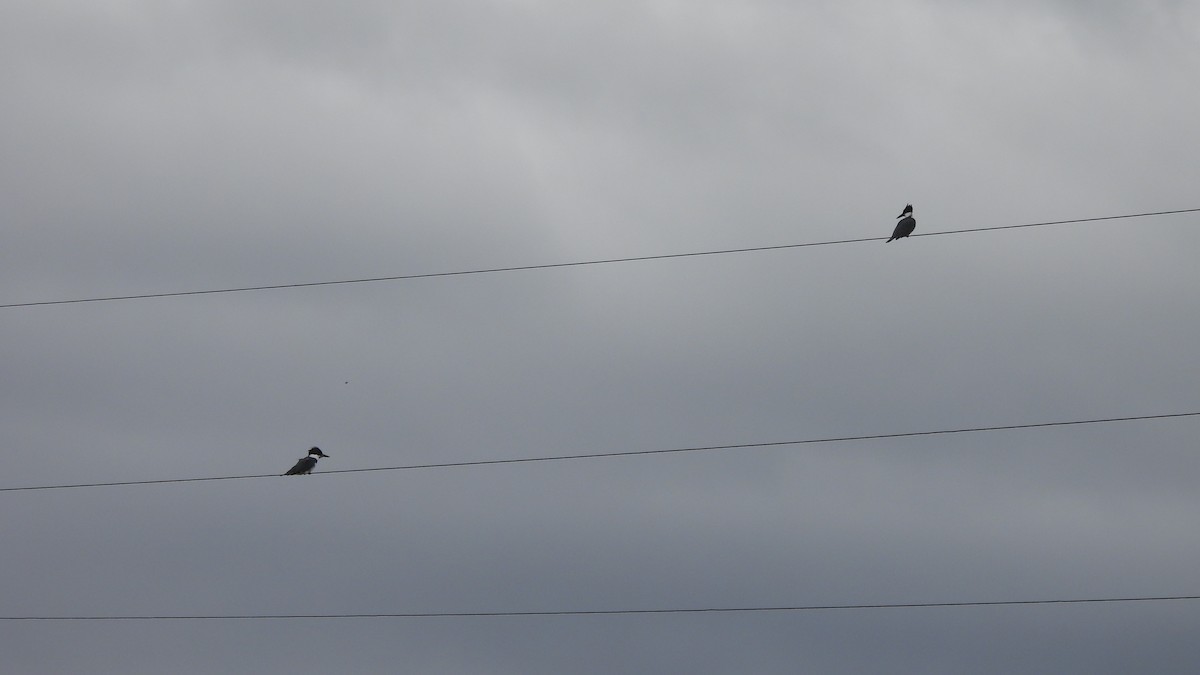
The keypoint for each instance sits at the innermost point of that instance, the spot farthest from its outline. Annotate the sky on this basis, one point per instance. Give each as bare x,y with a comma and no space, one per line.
151,146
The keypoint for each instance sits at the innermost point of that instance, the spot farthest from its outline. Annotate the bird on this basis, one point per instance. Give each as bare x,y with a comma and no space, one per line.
306,464
904,227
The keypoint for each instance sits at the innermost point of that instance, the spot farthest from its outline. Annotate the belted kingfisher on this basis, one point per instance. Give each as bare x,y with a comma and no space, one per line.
306,464
904,227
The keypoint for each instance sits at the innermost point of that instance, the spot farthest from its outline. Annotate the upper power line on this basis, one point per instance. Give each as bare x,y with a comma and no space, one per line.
600,612
578,263
627,453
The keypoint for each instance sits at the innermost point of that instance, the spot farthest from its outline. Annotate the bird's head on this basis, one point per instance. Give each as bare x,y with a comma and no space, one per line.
907,211
316,452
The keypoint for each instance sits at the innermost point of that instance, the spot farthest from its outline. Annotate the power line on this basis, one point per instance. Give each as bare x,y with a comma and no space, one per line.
578,263
604,612
628,453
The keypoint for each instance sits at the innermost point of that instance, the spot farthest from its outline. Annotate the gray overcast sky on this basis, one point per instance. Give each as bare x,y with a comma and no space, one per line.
151,146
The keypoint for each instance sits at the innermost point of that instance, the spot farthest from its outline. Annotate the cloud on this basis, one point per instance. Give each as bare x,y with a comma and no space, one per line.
151,147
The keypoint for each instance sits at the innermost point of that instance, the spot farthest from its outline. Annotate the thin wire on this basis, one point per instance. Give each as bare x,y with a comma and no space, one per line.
629,453
579,263
602,612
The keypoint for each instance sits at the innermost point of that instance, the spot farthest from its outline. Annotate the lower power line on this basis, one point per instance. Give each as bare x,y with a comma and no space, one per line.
627,453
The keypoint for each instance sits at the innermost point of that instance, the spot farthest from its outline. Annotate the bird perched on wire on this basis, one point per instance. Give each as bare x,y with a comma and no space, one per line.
306,464
904,227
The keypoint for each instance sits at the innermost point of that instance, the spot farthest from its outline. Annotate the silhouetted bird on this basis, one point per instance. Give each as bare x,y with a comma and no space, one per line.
904,227
306,464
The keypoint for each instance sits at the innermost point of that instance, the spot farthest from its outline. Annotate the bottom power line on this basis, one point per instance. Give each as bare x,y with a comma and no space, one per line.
603,612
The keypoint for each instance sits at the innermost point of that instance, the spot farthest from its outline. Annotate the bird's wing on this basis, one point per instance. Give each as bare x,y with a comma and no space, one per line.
303,466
